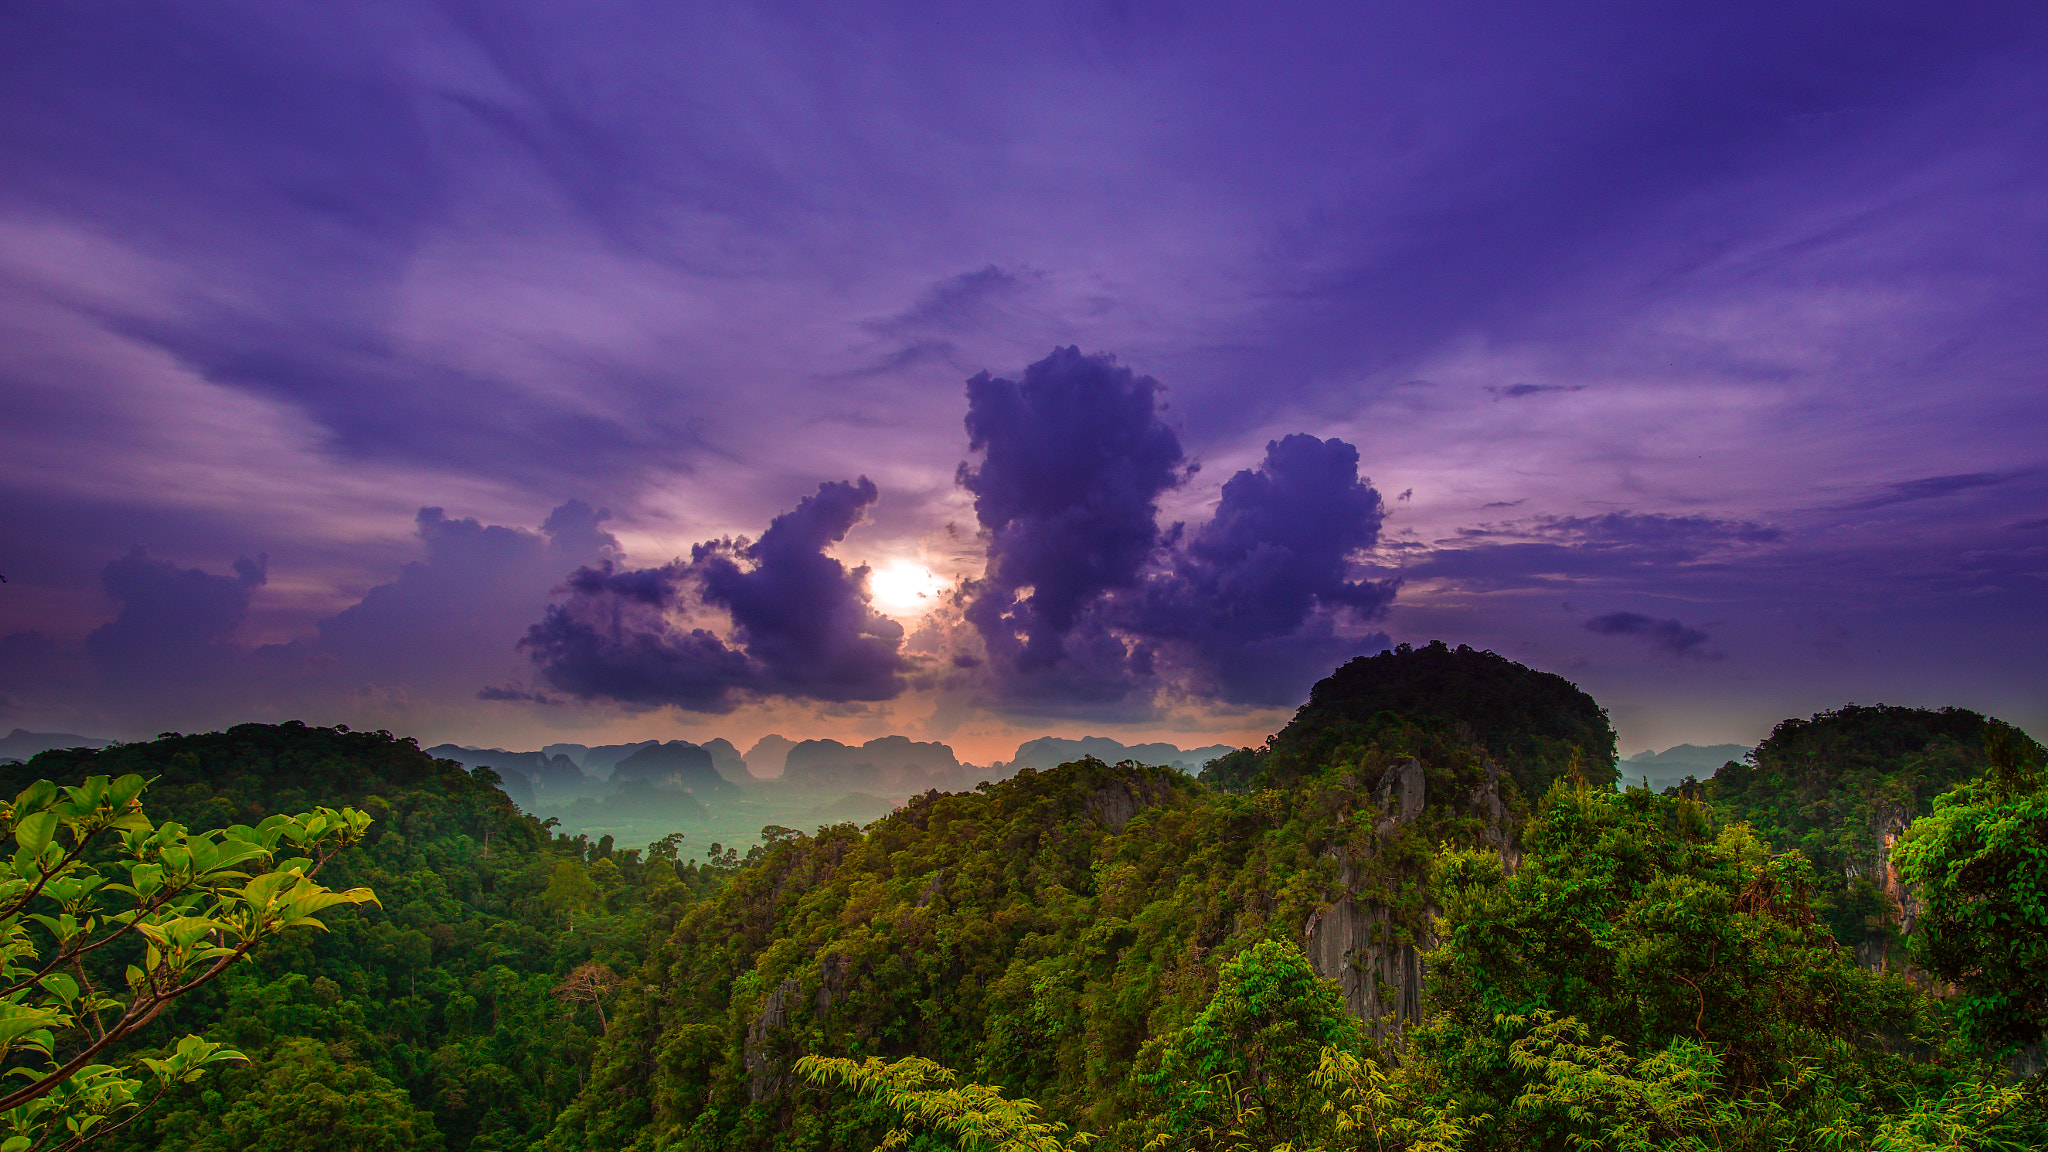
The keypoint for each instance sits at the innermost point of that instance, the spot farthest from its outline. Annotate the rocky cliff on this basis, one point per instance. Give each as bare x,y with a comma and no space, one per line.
1372,947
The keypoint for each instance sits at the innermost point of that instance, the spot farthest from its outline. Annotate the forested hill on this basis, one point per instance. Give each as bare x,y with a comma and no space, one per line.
430,1023
1239,962
1841,787
1049,931
1420,918
1535,725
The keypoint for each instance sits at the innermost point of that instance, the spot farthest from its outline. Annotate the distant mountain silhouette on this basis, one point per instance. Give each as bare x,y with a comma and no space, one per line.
678,765
21,744
769,755
515,770
598,761
889,763
1052,751
727,759
1673,765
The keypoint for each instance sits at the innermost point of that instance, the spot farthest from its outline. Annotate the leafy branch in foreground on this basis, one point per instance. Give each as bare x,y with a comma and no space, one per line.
90,870
929,1095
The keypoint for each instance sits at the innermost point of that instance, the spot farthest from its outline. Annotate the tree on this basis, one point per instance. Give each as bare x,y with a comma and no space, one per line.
91,871
301,1100
569,888
589,983
1243,1074
1980,863
1641,970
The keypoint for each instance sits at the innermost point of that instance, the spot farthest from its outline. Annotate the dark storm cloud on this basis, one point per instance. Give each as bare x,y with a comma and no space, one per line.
175,624
802,625
1086,601
801,615
1245,591
1075,458
1667,635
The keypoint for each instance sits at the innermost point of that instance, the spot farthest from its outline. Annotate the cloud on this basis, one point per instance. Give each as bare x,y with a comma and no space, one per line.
449,621
1929,488
1667,635
1653,528
1547,550
1088,607
1075,458
1517,391
801,622
801,615
176,625
1254,592
952,304
514,695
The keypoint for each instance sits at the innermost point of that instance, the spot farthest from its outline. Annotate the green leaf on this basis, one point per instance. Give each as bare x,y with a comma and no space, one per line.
34,832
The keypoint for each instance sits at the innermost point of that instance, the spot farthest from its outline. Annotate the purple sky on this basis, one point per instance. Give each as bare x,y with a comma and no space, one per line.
1695,352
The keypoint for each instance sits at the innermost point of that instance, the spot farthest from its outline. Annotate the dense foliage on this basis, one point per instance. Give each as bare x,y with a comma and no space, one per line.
437,1012
1838,787
1419,919
1642,981
1979,867
1045,933
1665,942
1110,956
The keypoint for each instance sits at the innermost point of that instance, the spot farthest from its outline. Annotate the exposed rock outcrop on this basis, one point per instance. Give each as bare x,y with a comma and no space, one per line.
1115,802
765,1071
1361,944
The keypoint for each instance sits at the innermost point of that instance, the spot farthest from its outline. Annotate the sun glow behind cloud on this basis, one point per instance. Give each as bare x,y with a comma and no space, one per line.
904,588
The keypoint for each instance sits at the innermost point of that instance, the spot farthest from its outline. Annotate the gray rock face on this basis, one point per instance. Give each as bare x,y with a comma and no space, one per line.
1887,953
831,981
1356,942
1117,801
763,1078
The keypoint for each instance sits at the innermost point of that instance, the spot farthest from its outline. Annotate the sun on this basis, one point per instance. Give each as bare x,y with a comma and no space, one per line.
902,587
